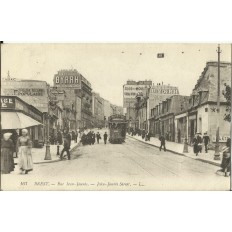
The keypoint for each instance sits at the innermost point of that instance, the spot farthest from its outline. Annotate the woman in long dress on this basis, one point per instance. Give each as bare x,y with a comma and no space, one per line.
7,148
24,145
195,145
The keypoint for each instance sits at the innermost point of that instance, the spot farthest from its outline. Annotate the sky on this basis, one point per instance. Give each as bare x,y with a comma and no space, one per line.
107,66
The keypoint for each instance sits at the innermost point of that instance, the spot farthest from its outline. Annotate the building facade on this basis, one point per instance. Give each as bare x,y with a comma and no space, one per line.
163,116
35,93
201,115
22,115
78,98
97,110
130,91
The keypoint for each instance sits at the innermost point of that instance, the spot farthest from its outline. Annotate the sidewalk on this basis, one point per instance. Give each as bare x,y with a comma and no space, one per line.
177,148
38,154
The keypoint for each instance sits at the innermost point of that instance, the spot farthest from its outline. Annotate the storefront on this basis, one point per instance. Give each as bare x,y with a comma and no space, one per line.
192,125
181,127
17,114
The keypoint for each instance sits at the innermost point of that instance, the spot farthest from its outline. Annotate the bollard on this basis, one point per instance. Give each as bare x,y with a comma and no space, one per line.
185,146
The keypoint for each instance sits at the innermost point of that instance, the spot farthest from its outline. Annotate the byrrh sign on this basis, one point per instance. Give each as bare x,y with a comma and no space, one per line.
67,78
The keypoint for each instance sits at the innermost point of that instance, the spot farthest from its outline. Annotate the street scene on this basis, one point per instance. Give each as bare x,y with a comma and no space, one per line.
116,116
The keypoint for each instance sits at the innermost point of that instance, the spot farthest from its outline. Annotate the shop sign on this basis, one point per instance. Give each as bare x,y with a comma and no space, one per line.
7,103
222,138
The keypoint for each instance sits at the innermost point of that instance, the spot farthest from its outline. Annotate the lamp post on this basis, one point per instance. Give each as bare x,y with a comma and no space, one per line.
217,154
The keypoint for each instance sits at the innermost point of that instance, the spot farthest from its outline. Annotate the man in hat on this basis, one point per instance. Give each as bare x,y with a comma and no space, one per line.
206,140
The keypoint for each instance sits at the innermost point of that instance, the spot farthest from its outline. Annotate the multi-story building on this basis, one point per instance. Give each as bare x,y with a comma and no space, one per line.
107,111
163,116
201,115
97,110
130,91
148,99
78,100
35,93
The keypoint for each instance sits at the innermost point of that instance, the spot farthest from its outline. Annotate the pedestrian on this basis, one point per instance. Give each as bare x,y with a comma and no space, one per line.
24,146
226,160
179,136
14,138
7,149
105,137
143,134
206,140
67,143
83,139
167,136
199,139
195,145
162,142
89,138
76,136
148,136
59,137
73,136
98,137
93,138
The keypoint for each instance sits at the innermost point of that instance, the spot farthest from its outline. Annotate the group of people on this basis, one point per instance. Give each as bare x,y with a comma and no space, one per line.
90,138
197,143
22,149
57,138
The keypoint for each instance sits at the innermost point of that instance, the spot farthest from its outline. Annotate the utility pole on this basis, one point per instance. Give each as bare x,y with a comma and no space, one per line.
217,154
48,153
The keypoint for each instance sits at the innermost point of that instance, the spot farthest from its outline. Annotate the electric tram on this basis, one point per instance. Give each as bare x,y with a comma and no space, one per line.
117,128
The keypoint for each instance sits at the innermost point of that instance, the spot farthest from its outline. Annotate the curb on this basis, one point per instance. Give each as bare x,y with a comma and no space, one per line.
54,160
178,153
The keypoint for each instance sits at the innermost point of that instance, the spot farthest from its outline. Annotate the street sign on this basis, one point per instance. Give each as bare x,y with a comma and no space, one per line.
160,55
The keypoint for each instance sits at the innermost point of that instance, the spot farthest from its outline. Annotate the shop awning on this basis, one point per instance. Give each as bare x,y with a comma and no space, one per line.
14,120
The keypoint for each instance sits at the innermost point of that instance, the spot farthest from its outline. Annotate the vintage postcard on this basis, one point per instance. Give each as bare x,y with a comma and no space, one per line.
115,116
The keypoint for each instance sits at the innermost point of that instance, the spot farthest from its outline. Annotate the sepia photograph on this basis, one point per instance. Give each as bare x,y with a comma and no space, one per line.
115,116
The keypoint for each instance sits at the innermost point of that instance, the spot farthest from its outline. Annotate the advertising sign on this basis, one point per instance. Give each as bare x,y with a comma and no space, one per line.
130,91
7,103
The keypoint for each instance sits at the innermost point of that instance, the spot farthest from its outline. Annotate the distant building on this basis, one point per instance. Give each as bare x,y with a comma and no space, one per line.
97,110
130,91
107,111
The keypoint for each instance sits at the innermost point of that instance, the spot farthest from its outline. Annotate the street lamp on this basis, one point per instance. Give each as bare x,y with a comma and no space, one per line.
217,154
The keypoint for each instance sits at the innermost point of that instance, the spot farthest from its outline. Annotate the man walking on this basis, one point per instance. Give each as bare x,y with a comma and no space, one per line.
162,142
67,143
105,137
98,137
206,140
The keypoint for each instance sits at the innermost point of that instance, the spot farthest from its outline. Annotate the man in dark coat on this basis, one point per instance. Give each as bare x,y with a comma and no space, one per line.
93,138
143,134
98,137
162,142
59,137
89,138
195,145
67,143
206,140
105,137
199,139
